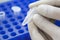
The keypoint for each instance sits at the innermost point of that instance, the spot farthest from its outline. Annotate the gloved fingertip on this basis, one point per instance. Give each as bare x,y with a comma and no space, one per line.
34,4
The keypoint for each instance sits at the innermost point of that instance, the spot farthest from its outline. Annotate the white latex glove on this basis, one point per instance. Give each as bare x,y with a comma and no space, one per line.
47,30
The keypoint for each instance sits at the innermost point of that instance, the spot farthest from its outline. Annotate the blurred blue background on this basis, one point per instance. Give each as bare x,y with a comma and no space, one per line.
11,26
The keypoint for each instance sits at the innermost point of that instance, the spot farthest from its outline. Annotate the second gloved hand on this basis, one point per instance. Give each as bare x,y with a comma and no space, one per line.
42,29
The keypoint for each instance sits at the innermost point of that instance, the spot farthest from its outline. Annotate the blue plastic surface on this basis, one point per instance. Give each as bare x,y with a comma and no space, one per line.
57,22
11,27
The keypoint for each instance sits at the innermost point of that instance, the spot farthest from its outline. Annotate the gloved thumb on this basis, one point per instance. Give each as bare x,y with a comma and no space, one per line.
50,2
49,11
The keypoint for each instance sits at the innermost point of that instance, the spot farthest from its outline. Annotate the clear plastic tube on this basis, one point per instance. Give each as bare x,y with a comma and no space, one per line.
2,1
2,15
28,18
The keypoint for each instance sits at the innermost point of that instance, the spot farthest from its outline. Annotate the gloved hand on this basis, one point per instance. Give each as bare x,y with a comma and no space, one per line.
41,28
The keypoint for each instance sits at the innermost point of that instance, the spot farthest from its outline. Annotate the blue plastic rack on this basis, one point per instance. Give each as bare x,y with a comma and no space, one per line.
11,27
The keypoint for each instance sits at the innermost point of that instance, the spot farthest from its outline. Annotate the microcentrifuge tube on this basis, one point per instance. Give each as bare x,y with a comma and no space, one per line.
2,1
2,15
28,18
16,10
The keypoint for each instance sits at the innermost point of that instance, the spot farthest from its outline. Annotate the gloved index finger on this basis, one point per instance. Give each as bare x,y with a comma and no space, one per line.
45,25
